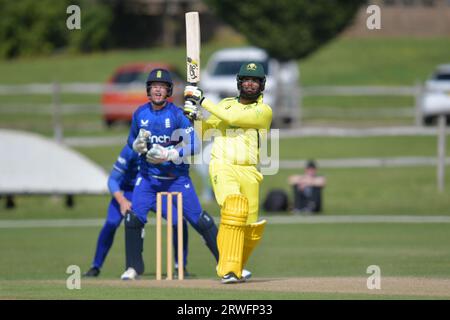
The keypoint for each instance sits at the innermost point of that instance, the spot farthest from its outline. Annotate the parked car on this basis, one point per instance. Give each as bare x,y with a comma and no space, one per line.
125,90
436,99
218,80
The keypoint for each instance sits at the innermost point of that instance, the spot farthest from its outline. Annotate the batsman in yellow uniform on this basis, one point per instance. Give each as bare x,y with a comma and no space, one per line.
236,124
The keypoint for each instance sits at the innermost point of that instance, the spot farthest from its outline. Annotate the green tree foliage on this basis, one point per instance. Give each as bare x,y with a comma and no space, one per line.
31,27
28,27
287,29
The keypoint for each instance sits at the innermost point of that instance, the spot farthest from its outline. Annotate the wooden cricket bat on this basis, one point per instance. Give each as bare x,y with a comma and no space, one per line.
192,48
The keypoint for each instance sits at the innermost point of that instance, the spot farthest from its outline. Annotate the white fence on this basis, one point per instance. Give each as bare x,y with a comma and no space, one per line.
414,91
57,108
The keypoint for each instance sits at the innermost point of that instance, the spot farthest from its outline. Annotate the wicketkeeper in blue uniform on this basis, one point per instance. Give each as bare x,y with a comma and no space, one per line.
121,184
163,137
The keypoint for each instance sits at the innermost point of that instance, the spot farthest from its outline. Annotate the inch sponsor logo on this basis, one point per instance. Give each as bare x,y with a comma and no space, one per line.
159,139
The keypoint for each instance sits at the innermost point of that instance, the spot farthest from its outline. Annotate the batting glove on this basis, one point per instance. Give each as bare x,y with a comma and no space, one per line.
192,111
159,154
140,144
194,94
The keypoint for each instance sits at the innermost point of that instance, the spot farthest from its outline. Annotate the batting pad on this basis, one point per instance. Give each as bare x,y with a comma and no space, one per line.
230,239
252,235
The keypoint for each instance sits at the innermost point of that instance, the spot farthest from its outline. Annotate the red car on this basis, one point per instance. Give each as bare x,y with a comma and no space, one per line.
125,90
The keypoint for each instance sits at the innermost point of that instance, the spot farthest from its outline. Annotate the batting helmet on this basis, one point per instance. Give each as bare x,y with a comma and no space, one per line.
160,75
254,70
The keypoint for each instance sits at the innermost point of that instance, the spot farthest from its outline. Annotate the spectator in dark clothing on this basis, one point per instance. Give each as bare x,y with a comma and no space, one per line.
307,190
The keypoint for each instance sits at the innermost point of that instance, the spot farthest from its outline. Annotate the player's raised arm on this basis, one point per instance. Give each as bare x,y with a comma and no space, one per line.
258,117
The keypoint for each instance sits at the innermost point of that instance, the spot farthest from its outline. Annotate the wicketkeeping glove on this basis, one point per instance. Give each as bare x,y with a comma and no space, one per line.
194,94
192,111
140,144
158,154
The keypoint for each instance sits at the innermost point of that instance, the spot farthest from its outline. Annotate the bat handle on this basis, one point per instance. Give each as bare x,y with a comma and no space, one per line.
191,84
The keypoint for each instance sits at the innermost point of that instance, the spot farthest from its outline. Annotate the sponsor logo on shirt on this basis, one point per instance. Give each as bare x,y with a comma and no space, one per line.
144,123
159,139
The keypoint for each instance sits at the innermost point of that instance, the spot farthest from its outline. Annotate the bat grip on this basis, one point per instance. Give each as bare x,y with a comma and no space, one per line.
191,84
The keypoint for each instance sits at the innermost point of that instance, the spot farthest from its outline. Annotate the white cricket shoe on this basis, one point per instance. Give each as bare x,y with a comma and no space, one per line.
130,274
230,278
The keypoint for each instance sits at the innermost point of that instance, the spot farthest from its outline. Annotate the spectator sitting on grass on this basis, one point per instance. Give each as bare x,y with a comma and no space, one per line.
307,190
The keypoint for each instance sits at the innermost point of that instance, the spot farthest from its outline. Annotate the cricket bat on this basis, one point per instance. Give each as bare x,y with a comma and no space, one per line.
192,48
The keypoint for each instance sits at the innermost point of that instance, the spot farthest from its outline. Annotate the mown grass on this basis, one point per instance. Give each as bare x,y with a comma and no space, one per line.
375,61
344,61
295,250
358,147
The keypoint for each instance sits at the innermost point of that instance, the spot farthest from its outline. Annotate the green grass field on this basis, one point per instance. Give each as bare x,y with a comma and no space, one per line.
38,259
344,61
325,253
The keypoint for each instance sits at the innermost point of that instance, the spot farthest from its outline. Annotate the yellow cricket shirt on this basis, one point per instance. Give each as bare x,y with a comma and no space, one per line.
236,128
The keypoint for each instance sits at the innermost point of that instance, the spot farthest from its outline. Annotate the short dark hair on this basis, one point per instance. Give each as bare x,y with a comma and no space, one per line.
311,164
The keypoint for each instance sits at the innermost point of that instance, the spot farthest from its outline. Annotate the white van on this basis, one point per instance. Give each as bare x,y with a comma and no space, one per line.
436,98
218,80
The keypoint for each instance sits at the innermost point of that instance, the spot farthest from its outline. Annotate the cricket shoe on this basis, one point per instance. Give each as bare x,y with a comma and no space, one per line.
231,278
130,274
92,272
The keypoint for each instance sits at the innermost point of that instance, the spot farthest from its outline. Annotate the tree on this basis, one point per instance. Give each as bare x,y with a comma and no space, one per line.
30,27
287,29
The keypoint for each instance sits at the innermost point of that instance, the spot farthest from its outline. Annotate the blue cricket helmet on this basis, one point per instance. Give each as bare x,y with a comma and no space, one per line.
160,75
